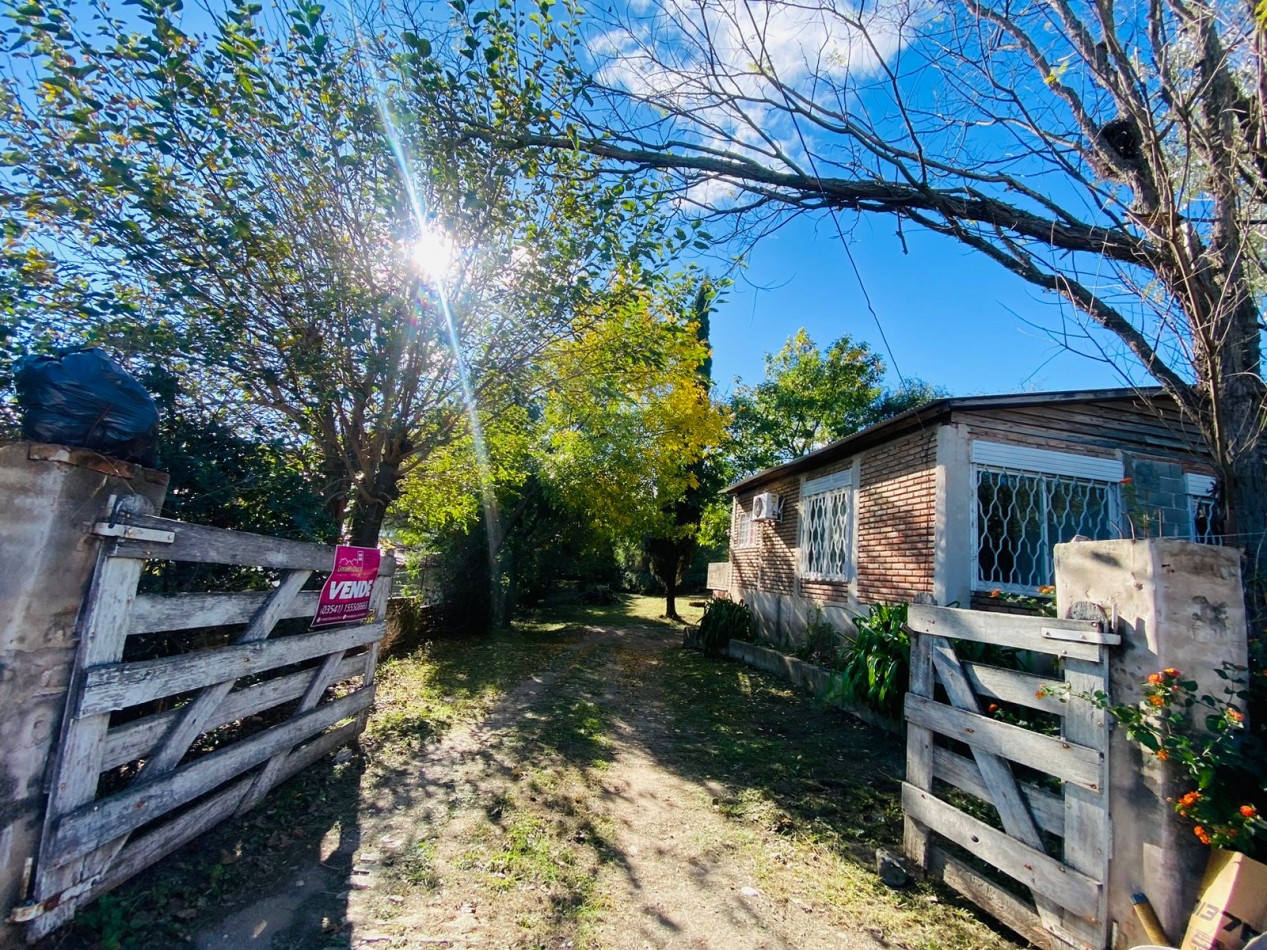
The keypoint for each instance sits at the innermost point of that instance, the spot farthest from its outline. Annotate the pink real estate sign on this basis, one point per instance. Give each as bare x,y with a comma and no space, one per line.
346,596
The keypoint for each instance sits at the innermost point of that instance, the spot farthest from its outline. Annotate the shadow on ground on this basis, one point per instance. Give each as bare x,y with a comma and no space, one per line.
545,712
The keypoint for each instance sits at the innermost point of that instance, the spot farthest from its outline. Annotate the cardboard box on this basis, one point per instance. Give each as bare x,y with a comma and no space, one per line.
1232,908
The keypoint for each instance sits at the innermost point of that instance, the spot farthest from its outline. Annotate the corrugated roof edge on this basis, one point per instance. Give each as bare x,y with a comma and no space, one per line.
927,414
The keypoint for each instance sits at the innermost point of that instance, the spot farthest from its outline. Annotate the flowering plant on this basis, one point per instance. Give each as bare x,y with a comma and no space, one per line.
1205,739
1044,605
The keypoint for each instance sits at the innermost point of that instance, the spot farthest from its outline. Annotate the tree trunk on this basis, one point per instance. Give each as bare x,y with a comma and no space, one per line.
670,596
1245,519
370,507
665,560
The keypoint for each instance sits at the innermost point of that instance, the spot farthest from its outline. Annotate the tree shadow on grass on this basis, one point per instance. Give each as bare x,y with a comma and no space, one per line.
274,875
771,759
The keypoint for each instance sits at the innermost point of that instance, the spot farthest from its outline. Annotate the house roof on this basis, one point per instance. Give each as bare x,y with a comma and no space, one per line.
932,413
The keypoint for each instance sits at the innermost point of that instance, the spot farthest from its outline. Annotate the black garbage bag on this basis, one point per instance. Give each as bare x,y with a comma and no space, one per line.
82,397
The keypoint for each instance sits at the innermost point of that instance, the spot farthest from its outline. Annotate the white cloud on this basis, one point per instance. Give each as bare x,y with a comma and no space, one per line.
690,48
713,63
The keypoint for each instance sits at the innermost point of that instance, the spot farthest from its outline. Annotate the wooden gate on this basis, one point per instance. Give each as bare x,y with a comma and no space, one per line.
137,720
1054,818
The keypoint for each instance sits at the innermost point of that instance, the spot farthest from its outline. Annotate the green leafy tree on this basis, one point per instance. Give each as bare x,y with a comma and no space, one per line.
670,550
610,446
810,397
1111,155
254,191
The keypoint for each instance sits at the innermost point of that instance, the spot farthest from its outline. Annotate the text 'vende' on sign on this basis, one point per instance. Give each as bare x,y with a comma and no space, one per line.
346,595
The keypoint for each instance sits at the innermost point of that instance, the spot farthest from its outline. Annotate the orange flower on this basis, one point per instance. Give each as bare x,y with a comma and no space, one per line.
1126,481
992,708
1201,834
1235,715
1249,811
1154,678
1163,754
1171,672
1190,799
1156,700
1040,693
996,592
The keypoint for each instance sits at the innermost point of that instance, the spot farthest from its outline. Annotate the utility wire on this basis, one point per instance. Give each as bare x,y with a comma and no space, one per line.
813,165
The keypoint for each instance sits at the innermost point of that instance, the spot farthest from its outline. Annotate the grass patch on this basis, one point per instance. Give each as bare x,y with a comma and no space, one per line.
639,609
422,695
791,765
811,793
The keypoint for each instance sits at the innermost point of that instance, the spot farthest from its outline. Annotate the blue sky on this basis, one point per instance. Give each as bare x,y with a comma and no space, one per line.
952,317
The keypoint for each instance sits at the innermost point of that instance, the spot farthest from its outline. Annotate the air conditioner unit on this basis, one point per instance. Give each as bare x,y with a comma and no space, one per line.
767,507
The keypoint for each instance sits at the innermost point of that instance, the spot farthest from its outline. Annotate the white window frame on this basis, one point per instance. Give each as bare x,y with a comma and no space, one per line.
744,534
1199,489
839,485
1021,460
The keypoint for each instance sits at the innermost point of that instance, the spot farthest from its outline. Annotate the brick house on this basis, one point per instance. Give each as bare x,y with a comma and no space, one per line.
958,498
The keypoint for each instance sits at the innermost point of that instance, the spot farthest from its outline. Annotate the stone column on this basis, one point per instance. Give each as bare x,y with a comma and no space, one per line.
50,496
1179,605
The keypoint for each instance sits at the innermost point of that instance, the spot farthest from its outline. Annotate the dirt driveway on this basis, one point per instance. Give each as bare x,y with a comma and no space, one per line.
626,794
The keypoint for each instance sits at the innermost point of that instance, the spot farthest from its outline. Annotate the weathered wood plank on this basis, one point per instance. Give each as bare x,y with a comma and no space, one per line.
157,612
196,714
1005,795
919,749
86,827
322,677
1039,872
119,685
1011,686
1058,757
1001,904
205,545
102,627
157,844
1004,791
1047,808
1004,630
134,740
1087,833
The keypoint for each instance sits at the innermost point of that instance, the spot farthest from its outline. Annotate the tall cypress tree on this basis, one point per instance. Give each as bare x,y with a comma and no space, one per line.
669,555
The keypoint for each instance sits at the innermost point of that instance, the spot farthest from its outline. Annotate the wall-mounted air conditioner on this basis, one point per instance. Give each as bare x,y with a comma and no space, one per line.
767,507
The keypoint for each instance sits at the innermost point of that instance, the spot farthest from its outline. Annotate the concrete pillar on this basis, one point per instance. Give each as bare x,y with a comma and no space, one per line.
50,496
955,548
1179,605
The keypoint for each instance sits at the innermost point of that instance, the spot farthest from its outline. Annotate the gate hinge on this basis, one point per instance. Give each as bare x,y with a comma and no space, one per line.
1088,635
25,913
104,529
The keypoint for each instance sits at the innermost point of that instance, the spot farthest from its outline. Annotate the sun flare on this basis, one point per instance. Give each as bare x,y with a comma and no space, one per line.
433,253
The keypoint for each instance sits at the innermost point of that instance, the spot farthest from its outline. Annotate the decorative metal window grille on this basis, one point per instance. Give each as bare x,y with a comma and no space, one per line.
1205,519
743,528
1021,515
825,535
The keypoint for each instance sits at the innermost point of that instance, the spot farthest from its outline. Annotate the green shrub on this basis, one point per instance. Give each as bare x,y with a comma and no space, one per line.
822,644
723,621
876,666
